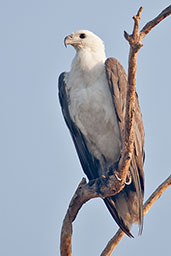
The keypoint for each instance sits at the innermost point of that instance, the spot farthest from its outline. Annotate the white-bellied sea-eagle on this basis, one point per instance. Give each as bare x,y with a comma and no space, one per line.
93,101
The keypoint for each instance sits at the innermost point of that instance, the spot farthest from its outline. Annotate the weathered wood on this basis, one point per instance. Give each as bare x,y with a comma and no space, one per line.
128,147
147,28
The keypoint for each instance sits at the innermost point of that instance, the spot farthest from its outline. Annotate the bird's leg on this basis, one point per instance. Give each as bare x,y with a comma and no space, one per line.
100,182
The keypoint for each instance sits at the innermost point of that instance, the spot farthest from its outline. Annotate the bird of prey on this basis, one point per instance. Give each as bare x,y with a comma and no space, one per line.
93,101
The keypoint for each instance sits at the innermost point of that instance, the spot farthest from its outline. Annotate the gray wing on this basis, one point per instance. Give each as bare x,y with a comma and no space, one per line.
89,163
117,80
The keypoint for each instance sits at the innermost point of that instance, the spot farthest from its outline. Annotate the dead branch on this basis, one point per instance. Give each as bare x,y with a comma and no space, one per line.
85,192
128,140
107,186
80,197
151,200
147,28
156,194
135,44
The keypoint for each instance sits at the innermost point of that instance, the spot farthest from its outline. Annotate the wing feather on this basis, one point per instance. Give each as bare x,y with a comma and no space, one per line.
117,80
89,163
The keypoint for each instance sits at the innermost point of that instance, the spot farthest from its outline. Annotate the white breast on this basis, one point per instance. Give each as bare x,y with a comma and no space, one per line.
91,109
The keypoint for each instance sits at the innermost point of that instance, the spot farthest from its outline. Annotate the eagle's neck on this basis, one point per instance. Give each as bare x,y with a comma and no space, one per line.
88,63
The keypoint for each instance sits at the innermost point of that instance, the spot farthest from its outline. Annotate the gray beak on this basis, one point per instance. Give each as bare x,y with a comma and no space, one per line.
68,40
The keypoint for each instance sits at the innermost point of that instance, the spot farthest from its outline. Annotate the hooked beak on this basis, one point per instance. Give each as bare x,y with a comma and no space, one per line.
68,40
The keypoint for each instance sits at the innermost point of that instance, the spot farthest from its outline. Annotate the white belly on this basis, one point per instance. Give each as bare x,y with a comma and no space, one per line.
92,111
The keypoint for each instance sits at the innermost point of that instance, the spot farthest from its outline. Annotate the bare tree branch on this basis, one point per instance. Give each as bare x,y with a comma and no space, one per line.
83,193
147,28
128,140
135,44
151,200
107,186
114,241
157,193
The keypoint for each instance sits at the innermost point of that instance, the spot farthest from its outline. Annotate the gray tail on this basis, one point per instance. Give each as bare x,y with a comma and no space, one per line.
125,208
110,203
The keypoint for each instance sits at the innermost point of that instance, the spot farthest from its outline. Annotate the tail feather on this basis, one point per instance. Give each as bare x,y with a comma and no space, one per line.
139,193
112,209
125,208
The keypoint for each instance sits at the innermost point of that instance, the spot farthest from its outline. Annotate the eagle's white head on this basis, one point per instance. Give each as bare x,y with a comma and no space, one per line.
84,39
90,49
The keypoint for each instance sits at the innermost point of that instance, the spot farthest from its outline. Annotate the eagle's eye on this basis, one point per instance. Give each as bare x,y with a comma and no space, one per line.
82,36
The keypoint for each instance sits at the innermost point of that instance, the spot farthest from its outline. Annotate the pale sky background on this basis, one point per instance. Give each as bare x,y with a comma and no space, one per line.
39,168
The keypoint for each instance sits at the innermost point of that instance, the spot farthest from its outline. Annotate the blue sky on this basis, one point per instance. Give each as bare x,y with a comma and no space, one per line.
39,168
